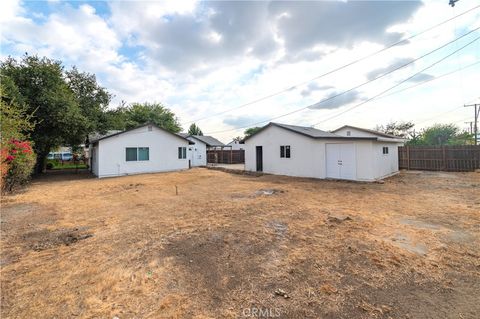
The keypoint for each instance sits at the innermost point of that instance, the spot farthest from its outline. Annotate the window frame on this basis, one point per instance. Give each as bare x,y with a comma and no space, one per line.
385,150
182,152
285,151
126,154
137,154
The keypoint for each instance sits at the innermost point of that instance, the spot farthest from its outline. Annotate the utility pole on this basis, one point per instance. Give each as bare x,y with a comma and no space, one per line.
471,126
475,122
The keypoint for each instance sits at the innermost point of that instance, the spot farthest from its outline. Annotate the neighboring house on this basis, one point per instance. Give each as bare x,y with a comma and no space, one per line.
211,142
307,152
236,145
144,149
197,152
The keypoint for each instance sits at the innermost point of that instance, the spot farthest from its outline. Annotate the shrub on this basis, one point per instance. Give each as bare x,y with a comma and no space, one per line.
18,160
49,165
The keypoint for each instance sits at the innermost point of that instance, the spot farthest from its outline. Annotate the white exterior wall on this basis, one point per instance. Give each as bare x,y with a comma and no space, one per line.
94,159
163,153
197,153
354,133
305,158
236,145
308,155
385,164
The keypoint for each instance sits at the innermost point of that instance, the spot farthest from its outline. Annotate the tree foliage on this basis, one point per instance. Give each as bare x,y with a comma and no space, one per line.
251,131
444,134
136,114
65,105
194,130
400,129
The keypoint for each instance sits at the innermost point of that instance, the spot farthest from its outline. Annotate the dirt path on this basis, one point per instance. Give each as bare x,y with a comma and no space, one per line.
232,246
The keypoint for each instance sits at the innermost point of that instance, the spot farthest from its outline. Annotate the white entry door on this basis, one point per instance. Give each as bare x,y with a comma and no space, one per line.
341,161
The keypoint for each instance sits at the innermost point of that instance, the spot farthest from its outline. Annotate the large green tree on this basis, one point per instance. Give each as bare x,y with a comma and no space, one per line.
194,130
444,134
92,99
50,100
129,116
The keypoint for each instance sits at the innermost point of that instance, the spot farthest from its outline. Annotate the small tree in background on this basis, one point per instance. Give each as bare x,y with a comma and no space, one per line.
251,131
194,130
400,129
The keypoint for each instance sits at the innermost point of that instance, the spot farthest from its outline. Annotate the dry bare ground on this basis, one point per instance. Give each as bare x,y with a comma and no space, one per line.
233,246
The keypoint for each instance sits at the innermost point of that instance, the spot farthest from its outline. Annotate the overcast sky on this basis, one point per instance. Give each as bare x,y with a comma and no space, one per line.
202,58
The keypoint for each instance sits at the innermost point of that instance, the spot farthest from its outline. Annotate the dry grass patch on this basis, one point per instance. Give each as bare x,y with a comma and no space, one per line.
228,244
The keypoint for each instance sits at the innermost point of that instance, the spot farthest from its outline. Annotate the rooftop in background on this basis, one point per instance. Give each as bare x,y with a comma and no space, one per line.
209,140
97,136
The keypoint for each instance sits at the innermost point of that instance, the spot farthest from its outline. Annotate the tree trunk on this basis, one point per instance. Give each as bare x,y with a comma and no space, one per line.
41,162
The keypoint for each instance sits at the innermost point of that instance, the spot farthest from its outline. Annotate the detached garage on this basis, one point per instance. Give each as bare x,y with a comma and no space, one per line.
347,153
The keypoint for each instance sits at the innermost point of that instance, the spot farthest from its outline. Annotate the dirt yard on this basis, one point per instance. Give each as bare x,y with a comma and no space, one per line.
234,246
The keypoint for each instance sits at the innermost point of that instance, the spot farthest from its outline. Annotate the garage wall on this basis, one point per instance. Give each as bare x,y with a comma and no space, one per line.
387,164
308,155
163,149
307,159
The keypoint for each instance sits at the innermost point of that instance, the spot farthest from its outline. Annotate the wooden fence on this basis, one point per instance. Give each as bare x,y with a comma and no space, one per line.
226,156
461,158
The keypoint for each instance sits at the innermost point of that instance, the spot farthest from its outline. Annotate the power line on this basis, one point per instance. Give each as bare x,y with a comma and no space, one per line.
334,70
351,89
399,83
430,80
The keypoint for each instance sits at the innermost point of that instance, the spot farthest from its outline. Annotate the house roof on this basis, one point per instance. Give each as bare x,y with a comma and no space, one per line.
96,136
102,137
309,132
367,131
209,140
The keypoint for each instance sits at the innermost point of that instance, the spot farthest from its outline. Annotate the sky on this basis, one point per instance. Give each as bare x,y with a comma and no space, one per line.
229,65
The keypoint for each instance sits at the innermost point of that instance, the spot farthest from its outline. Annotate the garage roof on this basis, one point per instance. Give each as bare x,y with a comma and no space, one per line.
367,131
310,132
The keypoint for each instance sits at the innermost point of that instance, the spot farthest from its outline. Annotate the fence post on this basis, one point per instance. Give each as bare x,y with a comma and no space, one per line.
408,157
444,158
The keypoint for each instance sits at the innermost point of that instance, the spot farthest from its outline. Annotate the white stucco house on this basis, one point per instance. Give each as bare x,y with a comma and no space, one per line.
144,149
197,150
236,145
347,153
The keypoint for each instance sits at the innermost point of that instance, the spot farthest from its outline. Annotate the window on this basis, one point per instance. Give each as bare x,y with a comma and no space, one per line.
182,152
349,133
131,154
285,151
143,154
134,154
385,150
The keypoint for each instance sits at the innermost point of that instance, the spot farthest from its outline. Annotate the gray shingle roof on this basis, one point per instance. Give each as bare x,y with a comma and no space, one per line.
209,140
309,131
97,136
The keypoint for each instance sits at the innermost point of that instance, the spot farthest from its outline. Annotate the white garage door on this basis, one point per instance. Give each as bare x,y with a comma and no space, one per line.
341,161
